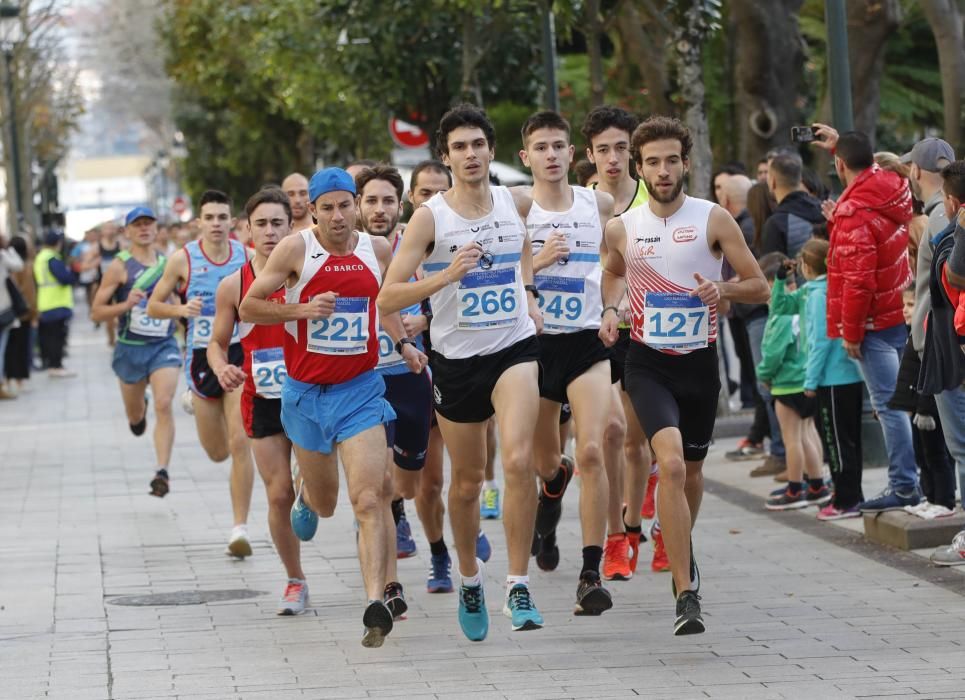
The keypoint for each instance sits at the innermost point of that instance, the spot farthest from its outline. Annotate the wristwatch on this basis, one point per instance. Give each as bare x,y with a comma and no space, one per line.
531,288
404,341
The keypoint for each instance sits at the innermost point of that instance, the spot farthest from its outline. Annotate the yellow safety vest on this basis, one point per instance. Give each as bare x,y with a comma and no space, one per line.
51,294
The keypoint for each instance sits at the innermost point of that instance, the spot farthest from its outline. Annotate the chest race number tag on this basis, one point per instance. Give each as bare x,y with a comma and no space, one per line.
562,300
268,372
487,299
388,357
675,321
345,332
204,327
142,324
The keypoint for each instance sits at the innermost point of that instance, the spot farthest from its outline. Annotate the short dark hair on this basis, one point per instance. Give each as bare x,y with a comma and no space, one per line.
380,172
854,148
771,263
467,115
213,197
734,167
584,170
544,120
268,195
658,128
786,170
432,166
604,117
812,183
953,176
364,163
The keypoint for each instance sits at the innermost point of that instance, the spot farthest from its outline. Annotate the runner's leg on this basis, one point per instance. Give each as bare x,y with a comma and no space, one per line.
209,419
614,458
273,457
133,398
242,469
466,443
674,502
587,393
637,456
428,498
164,382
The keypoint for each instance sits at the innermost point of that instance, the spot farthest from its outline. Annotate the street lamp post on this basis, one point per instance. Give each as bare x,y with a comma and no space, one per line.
10,28
839,69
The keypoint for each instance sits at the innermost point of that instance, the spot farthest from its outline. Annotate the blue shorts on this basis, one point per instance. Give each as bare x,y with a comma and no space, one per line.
318,417
136,363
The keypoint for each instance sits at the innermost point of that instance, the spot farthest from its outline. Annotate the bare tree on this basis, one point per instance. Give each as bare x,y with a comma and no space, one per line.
945,19
642,33
870,23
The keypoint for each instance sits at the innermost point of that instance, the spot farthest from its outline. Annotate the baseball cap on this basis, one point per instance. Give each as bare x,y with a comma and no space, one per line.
138,213
329,180
928,153
52,237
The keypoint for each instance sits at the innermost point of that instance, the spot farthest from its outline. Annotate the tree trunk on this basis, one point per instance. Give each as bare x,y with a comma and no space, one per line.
469,88
945,19
690,77
644,57
770,59
593,31
870,23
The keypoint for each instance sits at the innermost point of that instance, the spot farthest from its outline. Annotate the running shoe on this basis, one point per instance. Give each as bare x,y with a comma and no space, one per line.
787,500
238,545
295,598
745,450
490,508
546,552
953,554
649,509
591,597
394,599
160,485
440,574
520,608
484,550
818,497
769,467
616,558
890,499
404,543
377,621
689,620
303,519
936,511
694,575
922,506
660,561
831,512
473,616
634,539
187,402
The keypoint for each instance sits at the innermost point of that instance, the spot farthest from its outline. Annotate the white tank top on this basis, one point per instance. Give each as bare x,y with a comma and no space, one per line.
662,256
486,311
570,292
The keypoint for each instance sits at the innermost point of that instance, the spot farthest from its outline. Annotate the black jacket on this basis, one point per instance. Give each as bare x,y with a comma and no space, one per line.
791,224
942,360
906,396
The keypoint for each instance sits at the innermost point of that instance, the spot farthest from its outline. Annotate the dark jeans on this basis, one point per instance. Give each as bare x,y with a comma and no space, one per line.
839,412
53,337
742,347
936,464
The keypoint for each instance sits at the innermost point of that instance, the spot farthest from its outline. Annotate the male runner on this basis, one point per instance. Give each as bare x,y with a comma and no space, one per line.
146,351
607,131
668,254
566,227
296,187
195,272
261,377
484,349
108,246
332,398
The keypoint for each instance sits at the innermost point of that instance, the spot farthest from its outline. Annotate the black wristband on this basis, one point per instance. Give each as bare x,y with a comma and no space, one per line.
607,308
531,288
404,341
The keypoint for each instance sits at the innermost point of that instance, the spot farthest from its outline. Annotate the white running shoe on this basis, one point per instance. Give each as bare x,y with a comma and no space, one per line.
919,508
239,546
187,402
935,511
295,598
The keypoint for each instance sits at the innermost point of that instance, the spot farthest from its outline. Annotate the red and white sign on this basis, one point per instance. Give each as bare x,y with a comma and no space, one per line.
407,135
179,206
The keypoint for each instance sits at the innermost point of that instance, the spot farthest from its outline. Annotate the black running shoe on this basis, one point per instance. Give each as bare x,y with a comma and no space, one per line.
378,623
394,600
159,484
548,554
688,620
591,597
694,574
139,427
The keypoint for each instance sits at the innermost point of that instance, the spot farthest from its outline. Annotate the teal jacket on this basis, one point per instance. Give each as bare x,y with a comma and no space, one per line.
783,351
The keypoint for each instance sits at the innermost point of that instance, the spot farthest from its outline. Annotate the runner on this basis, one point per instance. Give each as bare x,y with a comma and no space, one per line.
607,133
195,272
565,227
484,350
146,352
332,398
108,246
269,218
296,187
669,255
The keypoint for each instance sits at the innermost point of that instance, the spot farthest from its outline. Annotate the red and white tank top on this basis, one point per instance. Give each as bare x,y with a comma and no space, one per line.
662,255
263,345
346,344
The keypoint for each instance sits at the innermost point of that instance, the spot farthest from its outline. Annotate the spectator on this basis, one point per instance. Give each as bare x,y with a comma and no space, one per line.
867,272
733,198
19,355
55,303
586,173
762,171
722,175
786,230
10,263
812,183
760,205
918,225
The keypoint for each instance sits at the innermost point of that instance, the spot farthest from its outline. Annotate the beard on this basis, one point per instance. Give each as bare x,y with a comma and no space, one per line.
655,193
389,226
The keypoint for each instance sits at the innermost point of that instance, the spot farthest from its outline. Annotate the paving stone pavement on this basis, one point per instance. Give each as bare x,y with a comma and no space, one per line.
789,615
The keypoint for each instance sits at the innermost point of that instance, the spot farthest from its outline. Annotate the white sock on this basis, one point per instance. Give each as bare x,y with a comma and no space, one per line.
476,579
654,468
490,484
513,580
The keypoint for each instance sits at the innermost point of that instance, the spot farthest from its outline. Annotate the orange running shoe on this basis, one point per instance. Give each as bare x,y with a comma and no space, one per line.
649,501
633,540
616,558
660,561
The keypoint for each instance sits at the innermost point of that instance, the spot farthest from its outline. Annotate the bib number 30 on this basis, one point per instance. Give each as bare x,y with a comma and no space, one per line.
675,321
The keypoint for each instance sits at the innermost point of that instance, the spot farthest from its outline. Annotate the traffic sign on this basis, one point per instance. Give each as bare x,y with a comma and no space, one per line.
180,205
407,135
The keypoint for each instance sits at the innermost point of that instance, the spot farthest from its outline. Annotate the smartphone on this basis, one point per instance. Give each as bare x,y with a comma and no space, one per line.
803,134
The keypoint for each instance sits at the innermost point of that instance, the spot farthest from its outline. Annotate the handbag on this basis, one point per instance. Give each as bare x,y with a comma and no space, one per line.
17,301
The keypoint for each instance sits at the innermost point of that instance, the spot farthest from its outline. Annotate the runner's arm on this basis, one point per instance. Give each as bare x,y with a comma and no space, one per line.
283,264
752,287
101,308
613,284
397,291
226,298
392,322
159,306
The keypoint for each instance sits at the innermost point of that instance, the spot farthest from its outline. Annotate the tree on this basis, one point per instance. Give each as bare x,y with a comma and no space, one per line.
945,19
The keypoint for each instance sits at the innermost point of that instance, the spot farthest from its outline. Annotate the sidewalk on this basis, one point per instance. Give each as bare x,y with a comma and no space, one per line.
794,608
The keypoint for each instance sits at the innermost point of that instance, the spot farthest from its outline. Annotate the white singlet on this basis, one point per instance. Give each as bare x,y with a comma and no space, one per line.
487,310
662,256
570,291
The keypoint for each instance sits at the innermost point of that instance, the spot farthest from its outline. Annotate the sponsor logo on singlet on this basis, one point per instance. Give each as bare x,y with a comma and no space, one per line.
684,234
344,268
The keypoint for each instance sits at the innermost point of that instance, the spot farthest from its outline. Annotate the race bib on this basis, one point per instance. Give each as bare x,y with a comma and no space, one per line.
142,324
487,299
345,332
388,357
562,300
675,321
204,327
268,372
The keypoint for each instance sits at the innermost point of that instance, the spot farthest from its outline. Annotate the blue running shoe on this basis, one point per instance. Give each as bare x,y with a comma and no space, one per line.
521,609
473,616
440,574
404,544
490,508
484,550
303,519
890,499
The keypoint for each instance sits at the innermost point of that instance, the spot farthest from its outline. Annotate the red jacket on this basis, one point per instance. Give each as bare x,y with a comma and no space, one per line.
868,258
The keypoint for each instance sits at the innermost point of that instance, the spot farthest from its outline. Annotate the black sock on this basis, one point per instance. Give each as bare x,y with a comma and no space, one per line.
398,510
795,487
815,484
591,559
554,487
438,548
629,528
163,473
139,427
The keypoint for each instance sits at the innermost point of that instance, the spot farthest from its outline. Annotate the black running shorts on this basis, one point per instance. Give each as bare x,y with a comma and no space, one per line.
618,358
261,416
678,391
202,380
804,406
566,356
410,395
